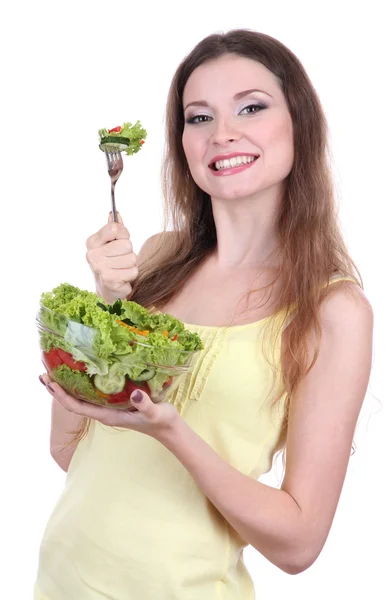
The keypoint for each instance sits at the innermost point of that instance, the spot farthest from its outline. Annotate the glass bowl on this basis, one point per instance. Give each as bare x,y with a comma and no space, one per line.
70,358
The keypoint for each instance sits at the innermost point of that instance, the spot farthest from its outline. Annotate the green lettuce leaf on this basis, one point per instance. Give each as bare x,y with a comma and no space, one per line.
49,340
135,313
60,295
90,328
94,364
190,341
122,337
135,133
162,350
75,383
163,322
156,383
132,370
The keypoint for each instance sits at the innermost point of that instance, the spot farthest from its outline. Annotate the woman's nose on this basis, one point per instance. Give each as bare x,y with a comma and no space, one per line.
225,132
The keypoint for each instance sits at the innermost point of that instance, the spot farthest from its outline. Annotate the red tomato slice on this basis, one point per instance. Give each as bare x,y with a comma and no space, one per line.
124,396
51,360
168,382
118,129
67,359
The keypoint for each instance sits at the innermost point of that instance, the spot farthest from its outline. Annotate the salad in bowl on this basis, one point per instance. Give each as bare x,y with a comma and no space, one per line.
101,352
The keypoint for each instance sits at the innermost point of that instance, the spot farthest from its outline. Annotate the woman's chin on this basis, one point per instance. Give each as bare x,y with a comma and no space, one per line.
224,188
234,193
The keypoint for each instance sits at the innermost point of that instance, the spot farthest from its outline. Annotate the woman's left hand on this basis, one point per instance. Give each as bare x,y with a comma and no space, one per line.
145,416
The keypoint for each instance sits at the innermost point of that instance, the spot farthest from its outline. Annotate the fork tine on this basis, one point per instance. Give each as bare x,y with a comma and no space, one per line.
115,168
114,158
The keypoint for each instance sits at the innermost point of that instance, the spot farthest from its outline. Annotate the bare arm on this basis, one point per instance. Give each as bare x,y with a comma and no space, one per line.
289,526
64,424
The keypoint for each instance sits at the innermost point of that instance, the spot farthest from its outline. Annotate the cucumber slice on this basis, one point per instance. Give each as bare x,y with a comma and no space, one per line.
113,382
122,143
145,375
115,139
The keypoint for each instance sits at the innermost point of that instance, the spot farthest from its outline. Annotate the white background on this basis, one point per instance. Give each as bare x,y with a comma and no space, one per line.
72,68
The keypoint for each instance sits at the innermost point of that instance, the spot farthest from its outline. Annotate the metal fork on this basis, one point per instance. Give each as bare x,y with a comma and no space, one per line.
115,168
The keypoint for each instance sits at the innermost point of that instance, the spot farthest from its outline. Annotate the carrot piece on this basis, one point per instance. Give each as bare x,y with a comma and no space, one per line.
134,329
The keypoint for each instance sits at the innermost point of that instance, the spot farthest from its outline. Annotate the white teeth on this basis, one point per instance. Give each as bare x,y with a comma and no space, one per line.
233,162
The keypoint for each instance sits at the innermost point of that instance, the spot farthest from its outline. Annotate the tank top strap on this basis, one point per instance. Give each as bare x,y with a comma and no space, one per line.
335,278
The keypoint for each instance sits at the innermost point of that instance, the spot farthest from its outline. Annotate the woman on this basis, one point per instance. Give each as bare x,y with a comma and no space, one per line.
160,501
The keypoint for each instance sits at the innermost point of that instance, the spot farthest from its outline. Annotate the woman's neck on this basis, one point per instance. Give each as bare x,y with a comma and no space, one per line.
246,233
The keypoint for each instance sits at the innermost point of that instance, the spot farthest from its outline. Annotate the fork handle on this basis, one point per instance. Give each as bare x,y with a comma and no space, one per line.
114,213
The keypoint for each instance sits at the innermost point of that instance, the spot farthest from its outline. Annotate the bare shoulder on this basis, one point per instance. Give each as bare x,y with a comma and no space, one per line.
346,305
156,244
345,311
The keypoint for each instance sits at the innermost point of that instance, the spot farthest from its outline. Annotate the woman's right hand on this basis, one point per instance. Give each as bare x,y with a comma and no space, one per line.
112,260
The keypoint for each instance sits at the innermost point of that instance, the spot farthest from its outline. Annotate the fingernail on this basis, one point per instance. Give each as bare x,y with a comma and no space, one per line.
137,396
41,380
52,390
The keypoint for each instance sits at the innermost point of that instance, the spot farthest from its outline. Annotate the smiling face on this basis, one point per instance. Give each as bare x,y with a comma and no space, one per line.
238,134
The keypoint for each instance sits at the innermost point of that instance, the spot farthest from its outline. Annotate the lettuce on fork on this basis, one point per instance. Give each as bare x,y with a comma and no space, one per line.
127,138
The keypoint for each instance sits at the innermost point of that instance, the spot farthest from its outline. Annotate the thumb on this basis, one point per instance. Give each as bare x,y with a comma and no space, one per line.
142,402
110,217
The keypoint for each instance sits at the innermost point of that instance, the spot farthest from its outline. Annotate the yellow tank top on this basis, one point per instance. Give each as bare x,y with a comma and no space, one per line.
131,523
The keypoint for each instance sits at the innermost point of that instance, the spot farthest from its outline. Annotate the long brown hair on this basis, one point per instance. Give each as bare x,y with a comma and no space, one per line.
311,244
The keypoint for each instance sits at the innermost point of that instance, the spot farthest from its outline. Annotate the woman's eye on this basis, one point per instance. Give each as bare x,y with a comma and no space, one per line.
198,119
252,109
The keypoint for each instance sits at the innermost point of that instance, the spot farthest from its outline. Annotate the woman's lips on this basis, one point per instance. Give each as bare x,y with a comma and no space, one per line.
232,170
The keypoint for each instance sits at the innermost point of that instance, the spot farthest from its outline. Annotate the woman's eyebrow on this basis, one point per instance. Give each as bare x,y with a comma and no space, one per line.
237,96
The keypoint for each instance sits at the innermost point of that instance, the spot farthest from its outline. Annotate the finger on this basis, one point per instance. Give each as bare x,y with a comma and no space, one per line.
44,378
107,416
123,291
108,233
115,278
58,393
128,261
79,407
110,217
143,403
115,248
97,257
